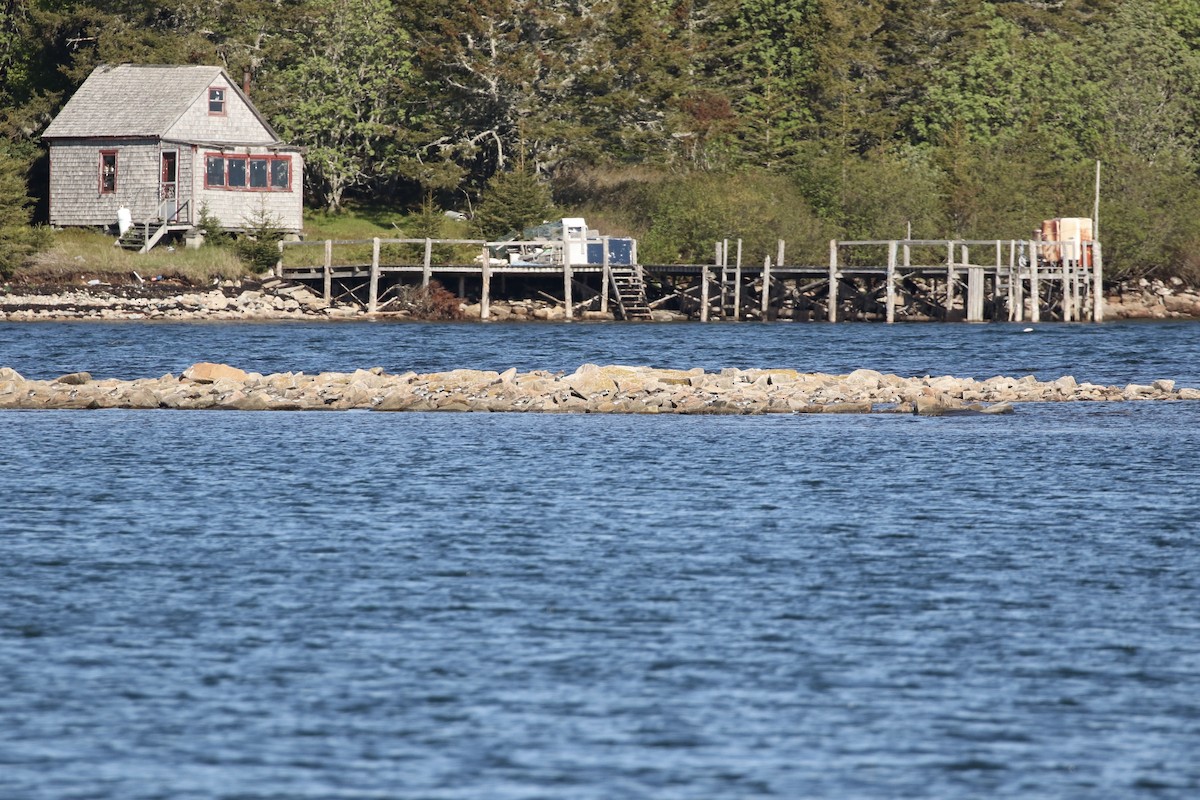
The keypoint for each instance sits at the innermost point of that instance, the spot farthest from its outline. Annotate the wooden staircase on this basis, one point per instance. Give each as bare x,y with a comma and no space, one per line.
630,291
729,292
142,237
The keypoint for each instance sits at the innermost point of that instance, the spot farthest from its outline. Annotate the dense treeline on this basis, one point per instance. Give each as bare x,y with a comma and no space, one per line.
681,121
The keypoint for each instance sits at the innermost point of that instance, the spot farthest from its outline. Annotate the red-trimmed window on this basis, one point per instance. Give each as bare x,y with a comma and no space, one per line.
214,172
248,173
235,173
216,101
108,171
281,174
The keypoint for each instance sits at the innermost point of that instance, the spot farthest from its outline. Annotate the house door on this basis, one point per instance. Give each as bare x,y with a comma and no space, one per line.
169,192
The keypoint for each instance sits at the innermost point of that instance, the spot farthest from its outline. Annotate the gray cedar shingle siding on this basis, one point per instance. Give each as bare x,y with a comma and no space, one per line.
75,197
239,125
240,209
139,111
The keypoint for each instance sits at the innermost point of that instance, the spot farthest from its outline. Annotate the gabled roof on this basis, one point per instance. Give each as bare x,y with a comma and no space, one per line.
137,100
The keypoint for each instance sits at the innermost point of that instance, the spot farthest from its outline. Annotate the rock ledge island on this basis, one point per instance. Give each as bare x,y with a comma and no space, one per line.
612,389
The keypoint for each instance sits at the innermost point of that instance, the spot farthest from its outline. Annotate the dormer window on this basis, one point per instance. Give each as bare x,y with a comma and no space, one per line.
216,102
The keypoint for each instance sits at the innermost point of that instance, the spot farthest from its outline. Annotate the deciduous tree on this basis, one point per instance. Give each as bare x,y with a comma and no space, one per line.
342,93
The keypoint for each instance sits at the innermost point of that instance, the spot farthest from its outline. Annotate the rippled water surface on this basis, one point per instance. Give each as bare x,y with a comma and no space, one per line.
1109,353
359,605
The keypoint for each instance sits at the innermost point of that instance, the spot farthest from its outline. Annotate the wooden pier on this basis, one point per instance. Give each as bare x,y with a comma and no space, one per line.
887,280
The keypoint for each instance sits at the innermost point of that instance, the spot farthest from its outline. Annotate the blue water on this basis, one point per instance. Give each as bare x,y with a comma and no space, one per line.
360,605
1115,353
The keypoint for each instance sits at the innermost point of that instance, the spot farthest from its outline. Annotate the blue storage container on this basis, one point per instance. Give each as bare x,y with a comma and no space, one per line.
620,252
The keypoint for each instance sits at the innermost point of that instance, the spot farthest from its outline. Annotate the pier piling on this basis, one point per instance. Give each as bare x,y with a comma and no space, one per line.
1065,279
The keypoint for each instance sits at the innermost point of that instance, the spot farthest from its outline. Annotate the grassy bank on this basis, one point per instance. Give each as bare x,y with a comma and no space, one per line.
80,255
77,255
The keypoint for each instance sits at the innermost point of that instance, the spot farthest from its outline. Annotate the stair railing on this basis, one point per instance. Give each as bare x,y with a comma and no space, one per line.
177,214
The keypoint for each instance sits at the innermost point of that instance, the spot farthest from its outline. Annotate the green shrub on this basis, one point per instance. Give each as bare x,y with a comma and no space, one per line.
1148,221
258,247
211,228
684,217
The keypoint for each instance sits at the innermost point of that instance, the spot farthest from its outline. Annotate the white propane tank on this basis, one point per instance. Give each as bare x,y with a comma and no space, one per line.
124,220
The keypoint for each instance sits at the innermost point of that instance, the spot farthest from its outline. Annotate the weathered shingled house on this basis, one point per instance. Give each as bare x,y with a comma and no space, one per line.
163,142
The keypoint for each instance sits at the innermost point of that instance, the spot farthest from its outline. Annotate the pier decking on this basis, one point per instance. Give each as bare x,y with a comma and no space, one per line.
888,280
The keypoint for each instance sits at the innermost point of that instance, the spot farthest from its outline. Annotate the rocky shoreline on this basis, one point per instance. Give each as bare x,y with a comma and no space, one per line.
610,389
1156,299
250,301
272,299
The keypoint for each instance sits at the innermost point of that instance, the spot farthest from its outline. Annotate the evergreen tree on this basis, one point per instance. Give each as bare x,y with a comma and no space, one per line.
1148,74
849,73
17,239
925,38
1009,83
512,201
774,62
637,74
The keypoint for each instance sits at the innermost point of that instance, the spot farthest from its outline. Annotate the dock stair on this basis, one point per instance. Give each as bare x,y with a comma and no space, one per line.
730,292
629,288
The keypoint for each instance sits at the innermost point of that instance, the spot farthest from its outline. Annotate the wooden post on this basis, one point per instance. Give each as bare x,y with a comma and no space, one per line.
975,281
704,288
779,254
373,289
1015,301
485,289
1068,302
766,287
278,261
723,268
973,305
1080,278
737,284
1064,276
567,277
949,278
996,277
328,295
1083,308
890,294
606,275
833,280
427,267
1035,289
1008,298
1098,280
